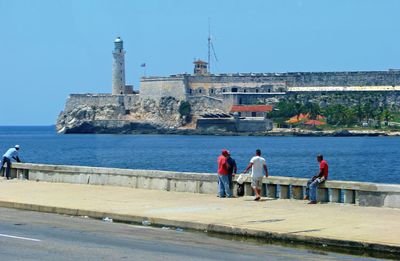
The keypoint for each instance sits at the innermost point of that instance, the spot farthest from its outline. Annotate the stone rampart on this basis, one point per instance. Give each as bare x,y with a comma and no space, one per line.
307,79
100,100
344,89
359,193
156,88
203,104
232,85
254,124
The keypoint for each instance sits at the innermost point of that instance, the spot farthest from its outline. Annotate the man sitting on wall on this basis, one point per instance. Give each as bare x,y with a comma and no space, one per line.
314,182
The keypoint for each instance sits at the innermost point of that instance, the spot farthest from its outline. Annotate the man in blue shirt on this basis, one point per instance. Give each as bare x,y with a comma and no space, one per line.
12,153
232,169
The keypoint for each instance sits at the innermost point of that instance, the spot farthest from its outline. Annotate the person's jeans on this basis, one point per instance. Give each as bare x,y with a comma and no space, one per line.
8,161
312,187
230,181
223,186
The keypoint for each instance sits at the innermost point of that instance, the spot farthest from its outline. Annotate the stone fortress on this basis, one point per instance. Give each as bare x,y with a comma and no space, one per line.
156,107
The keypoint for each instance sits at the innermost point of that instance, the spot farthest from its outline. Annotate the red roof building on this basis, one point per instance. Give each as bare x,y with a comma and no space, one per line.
251,110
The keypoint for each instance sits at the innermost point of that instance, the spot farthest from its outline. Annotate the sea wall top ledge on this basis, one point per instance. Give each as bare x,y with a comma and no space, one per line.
116,171
278,180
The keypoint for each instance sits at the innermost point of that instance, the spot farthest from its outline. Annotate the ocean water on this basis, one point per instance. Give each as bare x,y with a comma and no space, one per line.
371,159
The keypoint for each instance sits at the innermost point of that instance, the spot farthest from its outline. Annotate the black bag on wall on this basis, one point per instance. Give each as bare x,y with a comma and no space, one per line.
240,190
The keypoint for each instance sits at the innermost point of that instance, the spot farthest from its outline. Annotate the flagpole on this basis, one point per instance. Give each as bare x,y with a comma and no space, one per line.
143,65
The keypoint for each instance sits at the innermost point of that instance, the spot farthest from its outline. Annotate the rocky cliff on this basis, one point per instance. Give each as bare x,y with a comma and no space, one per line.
137,116
130,114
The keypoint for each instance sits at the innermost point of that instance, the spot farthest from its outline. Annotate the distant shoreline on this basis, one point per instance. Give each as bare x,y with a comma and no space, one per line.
274,133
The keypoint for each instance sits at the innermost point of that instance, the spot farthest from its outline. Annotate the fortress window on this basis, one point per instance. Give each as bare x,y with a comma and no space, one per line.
212,91
244,90
223,90
256,90
269,90
234,90
199,90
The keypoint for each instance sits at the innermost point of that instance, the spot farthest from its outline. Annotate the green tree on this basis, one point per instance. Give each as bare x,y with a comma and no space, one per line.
185,108
368,110
313,109
338,114
349,116
332,114
386,116
359,112
297,109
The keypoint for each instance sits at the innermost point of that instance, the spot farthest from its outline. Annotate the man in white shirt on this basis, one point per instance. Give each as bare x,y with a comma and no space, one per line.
12,153
257,165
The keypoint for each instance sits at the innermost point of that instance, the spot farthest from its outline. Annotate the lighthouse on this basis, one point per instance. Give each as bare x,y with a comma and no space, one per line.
118,68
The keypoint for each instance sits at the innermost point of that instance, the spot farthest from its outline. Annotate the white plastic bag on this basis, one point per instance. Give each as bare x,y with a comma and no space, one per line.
242,178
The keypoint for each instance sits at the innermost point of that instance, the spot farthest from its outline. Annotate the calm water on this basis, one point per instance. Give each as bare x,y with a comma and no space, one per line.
374,159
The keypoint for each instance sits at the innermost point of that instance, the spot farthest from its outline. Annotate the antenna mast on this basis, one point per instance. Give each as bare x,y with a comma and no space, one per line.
209,47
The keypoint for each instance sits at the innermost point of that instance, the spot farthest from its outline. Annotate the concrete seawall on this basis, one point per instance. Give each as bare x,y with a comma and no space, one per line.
356,193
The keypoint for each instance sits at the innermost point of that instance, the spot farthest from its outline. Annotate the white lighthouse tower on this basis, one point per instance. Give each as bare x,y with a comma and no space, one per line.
118,68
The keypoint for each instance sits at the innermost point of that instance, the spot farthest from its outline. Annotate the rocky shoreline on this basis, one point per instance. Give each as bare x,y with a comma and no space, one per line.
147,128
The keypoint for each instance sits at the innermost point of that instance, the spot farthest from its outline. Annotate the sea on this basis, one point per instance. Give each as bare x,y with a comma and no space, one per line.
369,159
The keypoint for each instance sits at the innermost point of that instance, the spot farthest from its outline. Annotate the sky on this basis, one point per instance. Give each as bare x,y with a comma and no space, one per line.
49,49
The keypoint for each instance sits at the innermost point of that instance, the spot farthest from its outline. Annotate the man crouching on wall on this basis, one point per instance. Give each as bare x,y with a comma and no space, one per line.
314,182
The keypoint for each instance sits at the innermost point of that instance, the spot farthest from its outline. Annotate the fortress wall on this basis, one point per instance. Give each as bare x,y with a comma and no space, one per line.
99,100
374,78
131,101
344,88
76,100
305,79
200,104
157,87
179,86
217,88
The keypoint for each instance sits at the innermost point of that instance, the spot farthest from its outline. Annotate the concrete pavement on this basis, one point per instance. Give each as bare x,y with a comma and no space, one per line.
362,228
27,235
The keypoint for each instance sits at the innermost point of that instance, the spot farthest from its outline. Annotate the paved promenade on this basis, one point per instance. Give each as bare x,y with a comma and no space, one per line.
331,224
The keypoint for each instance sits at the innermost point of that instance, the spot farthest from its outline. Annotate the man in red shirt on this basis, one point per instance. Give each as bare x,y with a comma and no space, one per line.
223,177
313,183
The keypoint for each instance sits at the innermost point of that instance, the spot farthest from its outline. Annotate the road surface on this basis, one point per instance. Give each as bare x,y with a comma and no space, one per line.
26,235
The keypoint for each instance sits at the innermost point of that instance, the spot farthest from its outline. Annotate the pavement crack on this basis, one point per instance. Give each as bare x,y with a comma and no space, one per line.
267,220
305,231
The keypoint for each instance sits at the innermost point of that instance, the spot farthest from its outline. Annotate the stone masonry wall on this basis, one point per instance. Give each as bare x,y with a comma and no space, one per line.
156,88
100,100
76,100
307,79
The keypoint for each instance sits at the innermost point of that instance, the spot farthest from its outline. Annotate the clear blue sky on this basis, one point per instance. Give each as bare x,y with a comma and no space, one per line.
49,49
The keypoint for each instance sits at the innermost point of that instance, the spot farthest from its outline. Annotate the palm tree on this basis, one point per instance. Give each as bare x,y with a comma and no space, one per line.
297,109
386,116
313,109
